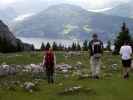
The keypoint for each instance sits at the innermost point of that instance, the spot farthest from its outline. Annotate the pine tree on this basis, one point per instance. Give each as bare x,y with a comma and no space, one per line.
85,45
109,45
32,47
48,46
60,47
0,44
42,47
123,36
78,47
73,46
54,46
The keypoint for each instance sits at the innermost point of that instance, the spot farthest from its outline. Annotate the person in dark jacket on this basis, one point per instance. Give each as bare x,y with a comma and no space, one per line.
49,64
96,50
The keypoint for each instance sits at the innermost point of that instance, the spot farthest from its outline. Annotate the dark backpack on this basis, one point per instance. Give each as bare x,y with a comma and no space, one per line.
96,47
49,58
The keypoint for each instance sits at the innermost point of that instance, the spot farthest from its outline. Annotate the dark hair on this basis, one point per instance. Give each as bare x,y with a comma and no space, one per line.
94,35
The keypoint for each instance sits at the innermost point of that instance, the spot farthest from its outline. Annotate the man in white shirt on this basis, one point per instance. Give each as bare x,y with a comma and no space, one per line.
126,53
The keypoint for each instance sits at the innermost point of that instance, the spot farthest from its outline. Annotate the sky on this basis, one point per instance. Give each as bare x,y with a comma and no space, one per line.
27,8
88,4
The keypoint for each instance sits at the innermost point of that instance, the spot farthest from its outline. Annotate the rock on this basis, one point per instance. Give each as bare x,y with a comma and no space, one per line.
103,67
79,65
65,71
63,67
114,67
29,86
83,76
60,84
36,68
75,90
27,68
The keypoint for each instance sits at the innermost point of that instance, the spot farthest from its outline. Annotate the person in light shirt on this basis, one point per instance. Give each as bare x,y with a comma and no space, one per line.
126,55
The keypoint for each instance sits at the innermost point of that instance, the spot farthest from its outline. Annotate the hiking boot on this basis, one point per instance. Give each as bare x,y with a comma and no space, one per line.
97,77
126,76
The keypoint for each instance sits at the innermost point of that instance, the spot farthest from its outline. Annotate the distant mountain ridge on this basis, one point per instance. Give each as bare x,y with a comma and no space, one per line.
71,22
124,10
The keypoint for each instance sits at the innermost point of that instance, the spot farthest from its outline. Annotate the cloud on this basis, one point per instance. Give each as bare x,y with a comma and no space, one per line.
87,4
97,4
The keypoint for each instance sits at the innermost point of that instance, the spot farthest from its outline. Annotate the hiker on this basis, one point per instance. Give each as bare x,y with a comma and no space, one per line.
96,50
126,53
49,64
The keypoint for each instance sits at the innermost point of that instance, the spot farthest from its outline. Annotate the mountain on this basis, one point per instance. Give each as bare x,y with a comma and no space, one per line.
8,42
71,22
124,10
7,14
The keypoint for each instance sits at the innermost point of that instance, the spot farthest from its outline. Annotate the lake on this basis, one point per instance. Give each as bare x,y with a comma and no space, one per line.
38,41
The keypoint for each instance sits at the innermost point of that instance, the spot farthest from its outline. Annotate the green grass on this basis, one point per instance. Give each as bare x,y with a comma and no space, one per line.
114,88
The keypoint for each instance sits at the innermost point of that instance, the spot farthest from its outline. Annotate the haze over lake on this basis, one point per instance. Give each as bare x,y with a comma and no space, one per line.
38,41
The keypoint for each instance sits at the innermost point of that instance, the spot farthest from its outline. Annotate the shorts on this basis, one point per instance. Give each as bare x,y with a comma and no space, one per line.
126,63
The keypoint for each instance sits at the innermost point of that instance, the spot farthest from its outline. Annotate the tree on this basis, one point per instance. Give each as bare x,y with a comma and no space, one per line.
85,45
48,46
78,47
123,36
60,47
109,45
32,47
0,44
42,47
54,46
73,46
19,45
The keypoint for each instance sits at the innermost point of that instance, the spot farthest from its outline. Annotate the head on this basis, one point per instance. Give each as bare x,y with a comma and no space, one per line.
95,36
50,50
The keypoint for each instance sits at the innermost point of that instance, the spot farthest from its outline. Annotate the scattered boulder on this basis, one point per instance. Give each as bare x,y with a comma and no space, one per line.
79,65
7,70
36,68
114,67
29,86
63,68
76,90
72,53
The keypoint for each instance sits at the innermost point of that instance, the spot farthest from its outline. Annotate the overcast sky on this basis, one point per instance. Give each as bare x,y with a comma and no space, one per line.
93,4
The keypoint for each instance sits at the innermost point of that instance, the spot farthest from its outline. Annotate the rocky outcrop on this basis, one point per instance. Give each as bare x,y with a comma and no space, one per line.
9,43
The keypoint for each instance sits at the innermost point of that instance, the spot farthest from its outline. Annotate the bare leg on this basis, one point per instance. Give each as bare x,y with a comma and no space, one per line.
126,73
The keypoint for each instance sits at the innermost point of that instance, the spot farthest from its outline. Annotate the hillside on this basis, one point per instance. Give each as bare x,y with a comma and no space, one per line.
8,42
71,22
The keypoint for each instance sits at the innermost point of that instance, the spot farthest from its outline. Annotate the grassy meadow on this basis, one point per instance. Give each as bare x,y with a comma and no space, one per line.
109,87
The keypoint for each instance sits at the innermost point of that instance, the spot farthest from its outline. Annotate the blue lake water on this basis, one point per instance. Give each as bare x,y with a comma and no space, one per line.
38,41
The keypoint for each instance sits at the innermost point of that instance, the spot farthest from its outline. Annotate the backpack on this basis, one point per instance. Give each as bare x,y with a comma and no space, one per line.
96,49
49,58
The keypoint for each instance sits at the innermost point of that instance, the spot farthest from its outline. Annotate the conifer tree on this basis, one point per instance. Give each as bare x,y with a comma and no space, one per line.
123,36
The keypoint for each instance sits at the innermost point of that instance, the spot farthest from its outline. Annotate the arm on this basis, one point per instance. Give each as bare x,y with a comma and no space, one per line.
54,60
131,51
120,51
43,63
102,47
90,51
